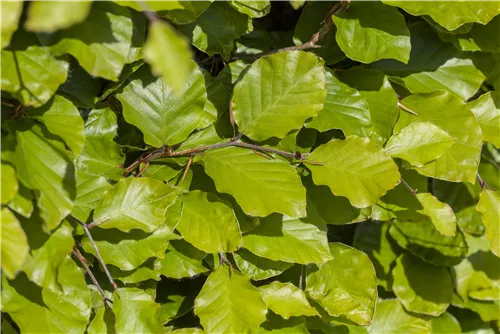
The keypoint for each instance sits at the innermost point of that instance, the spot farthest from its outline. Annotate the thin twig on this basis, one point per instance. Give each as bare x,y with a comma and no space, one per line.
405,108
413,192
483,183
82,260
98,254
231,118
311,44
301,278
160,153
190,160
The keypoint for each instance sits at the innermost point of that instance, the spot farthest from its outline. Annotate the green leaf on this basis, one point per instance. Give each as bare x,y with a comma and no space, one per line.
152,5
489,207
191,11
470,221
101,157
289,240
382,100
216,29
278,93
208,223
487,111
346,285
229,303
22,203
11,12
63,119
373,239
89,191
419,143
287,300
253,9
477,276
441,214
164,117
371,31
257,183
488,311
48,16
100,43
43,165
476,38
309,23
14,244
391,318
136,312
421,287
176,68
445,324
47,252
10,185
435,65
459,163
103,322
129,250
181,260
135,203
258,268
332,209
277,325
36,310
80,88
296,4
344,109
354,168
451,15
101,123
32,75
424,241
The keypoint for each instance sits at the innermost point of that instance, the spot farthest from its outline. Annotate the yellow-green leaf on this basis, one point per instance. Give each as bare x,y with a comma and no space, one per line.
354,168
14,244
169,54
49,16
419,143
441,214
489,207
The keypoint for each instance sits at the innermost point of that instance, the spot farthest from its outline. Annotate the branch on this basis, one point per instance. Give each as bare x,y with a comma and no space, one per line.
98,254
413,192
311,44
483,183
82,260
405,108
161,153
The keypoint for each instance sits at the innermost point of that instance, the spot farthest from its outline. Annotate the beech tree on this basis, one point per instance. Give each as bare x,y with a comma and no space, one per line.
250,167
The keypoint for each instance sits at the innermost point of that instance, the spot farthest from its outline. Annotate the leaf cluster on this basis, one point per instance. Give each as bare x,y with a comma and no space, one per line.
250,167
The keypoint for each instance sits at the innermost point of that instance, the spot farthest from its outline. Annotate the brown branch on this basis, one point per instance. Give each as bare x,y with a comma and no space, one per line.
413,192
98,254
483,183
82,260
190,161
161,153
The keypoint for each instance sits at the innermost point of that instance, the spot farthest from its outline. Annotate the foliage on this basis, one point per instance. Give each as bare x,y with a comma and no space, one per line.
250,167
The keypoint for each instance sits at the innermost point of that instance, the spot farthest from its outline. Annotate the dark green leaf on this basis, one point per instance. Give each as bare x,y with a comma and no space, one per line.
421,287
423,240
371,31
